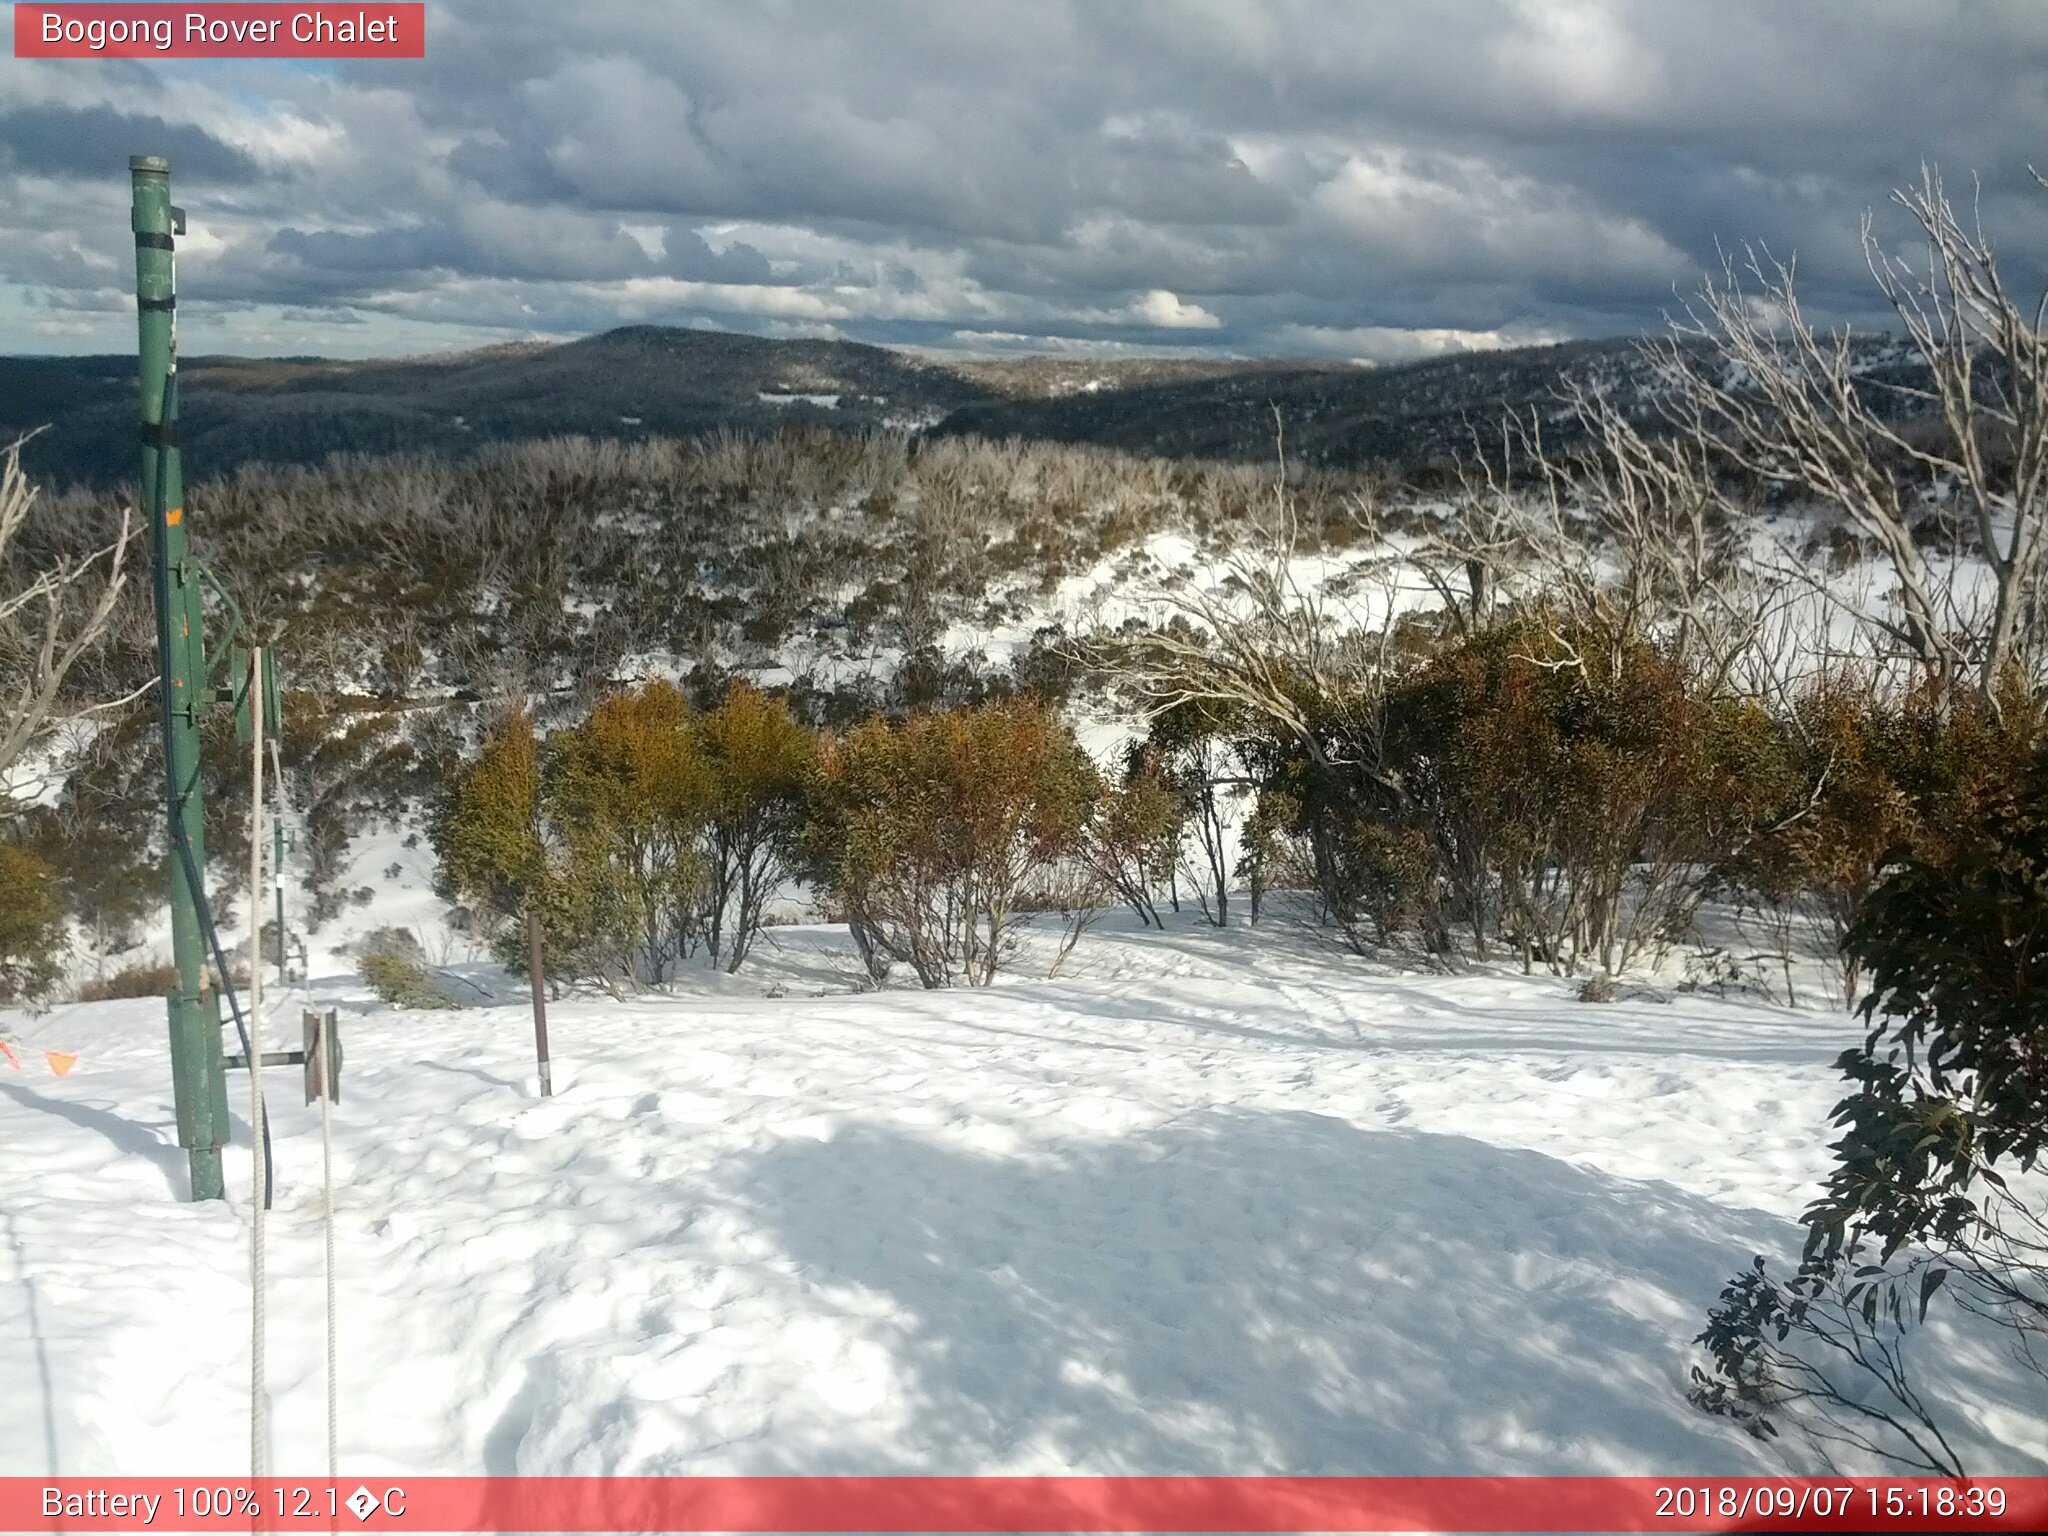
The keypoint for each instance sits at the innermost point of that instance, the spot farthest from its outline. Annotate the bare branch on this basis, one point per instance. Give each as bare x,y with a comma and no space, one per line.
49,618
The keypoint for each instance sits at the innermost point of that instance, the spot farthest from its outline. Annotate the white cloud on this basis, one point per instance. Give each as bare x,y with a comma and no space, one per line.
1396,344
1460,216
1170,312
1580,57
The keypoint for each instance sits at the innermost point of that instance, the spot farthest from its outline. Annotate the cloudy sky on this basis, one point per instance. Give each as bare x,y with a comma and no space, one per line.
1372,179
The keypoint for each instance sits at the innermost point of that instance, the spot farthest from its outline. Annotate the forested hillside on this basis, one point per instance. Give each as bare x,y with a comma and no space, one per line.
650,381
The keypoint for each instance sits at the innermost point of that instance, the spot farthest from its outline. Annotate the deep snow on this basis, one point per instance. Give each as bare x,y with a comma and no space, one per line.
1211,1202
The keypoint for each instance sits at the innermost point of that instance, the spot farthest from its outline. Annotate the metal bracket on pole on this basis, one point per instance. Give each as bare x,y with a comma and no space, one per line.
323,1066
322,1056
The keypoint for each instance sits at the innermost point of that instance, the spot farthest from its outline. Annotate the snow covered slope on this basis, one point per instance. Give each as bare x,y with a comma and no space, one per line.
1211,1203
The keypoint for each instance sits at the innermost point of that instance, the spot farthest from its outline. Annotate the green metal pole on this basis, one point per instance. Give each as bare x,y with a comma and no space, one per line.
198,1075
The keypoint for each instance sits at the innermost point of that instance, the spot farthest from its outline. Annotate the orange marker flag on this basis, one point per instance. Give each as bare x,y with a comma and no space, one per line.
13,1060
61,1062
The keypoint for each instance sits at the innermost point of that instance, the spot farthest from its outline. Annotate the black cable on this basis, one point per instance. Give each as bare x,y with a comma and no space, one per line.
174,797
227,988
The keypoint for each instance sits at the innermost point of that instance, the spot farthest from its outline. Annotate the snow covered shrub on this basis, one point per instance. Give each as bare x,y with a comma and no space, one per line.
32,937
101,832
678,828
1047,667
928,678
930,834
1575,788
345,766
1269,854
1538,785
487,829
1331,822
402,942
1949,1098
642,836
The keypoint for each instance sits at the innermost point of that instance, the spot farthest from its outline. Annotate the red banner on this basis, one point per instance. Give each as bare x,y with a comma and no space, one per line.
215,31
992,1504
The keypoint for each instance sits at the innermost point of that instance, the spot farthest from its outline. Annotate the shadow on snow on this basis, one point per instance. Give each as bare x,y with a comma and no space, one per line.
1238,1292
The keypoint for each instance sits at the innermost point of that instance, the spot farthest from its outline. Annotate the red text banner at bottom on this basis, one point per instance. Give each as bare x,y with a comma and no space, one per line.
991,1504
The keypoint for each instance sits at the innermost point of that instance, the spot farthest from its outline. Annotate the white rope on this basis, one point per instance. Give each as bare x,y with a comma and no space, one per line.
323,1053
259,1407
327,1218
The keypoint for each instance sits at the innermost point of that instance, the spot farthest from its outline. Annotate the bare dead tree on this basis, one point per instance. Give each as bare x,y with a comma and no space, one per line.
49,617
1628,535
1789,401
1275,639
1261,641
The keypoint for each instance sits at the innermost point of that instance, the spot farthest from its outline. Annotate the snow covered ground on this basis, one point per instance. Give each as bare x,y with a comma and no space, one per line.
1210,1202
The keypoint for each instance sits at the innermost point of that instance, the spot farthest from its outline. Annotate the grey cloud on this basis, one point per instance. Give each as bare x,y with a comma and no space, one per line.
482,240
905,171
687,254
502,241
77,141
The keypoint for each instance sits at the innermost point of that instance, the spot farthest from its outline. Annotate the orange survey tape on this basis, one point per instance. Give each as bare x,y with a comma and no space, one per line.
60,1062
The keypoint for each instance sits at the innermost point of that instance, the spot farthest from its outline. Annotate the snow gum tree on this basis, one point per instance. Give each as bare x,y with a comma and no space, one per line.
53,612
497,853
1192,743
1963,445
931,834
759,760
1135,835
632,792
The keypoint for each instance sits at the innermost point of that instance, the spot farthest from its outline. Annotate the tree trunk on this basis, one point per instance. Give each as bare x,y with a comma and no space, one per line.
1212,846
538,974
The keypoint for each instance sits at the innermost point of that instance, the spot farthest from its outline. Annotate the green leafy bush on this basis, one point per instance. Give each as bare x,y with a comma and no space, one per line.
932,834
402,982
1543,787
148,978
33,942
393,963
1949,1098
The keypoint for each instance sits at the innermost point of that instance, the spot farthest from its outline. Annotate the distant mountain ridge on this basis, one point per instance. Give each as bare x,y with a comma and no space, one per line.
642,380
629,382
